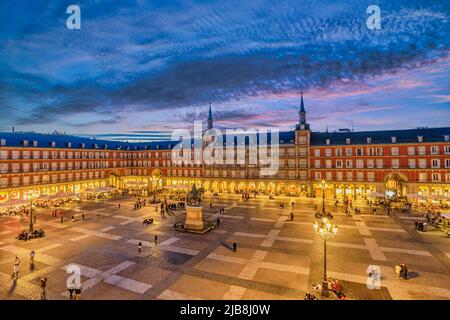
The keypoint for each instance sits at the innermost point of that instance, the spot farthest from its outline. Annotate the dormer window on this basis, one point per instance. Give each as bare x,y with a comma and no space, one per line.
35,143
2,142
447,138
420,138
348,140
68,144
327,142
105,146
82,145
369,140
393,139
52,144
24,143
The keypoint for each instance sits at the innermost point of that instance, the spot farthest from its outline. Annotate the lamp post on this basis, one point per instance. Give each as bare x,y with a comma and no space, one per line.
30,227
324,185
326,230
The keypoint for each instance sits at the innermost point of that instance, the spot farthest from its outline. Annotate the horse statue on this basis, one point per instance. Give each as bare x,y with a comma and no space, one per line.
194,196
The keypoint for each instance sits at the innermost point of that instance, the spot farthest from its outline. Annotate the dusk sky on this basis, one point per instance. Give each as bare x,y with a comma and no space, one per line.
137,67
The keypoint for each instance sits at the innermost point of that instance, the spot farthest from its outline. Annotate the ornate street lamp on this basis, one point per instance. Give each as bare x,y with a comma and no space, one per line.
30,227
326,230
324,185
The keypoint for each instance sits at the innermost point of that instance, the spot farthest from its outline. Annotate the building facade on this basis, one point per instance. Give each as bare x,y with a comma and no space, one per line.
352,164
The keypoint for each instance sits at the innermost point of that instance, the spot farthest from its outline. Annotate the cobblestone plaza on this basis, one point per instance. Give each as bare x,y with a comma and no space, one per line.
276,258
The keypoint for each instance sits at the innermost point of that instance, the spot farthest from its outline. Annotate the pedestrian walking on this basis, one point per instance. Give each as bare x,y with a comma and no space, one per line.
140,247
43,288
292,216
374,211
234,246
16,268
82,216
210,205
156,240
32,254
62,219
119,205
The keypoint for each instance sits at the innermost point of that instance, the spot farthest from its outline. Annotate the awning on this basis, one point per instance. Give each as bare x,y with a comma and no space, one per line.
13,203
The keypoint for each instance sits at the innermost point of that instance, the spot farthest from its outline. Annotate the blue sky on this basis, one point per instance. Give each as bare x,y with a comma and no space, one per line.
138,66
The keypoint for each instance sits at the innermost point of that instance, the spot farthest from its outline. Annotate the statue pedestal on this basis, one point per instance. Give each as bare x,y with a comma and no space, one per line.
194,218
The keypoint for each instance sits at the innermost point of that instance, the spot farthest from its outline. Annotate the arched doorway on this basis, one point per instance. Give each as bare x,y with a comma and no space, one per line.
395,184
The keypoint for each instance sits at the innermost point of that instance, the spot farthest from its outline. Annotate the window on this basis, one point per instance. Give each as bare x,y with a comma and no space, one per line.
420,138
435,163
370,176
359,163
379,163
338,163
339,152
421,150
447,149
379,151
394,151
327,142
422,163
434,149
348,140
2,142
360,176
349,163
446,138
369,140
436,177
370,163
395,163
422,176
348,152
359,152
370,151
317,152
328,152
411,163
339,175
317,175
349,175
328,164
329,175
447,163
317,163
411,151
447,177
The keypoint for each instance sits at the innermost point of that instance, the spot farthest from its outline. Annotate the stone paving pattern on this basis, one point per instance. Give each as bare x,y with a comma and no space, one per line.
276,258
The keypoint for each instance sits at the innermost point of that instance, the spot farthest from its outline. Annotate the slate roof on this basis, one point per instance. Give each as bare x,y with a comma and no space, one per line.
381,137
15,139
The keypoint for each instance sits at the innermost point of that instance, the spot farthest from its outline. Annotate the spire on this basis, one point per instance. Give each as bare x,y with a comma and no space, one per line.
302,111
302,105
302,125
210,118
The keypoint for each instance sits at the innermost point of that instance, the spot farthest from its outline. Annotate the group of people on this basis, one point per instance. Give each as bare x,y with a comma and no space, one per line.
140,203
14,210
16,270
27,235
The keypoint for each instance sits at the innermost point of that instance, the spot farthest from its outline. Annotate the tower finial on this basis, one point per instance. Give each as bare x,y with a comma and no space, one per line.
210,118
